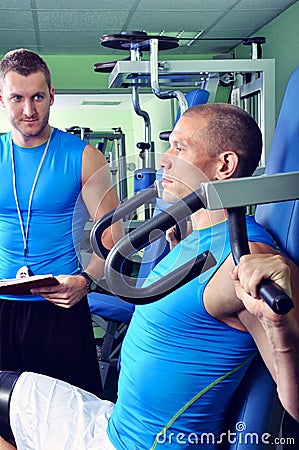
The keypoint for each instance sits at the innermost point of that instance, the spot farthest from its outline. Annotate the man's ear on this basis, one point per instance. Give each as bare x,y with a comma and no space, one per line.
1,100
227,164
51,95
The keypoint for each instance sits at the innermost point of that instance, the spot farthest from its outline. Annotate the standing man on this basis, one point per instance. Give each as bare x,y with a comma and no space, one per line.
51,182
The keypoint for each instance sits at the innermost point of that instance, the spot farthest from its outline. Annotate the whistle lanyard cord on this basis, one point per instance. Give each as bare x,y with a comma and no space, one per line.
196,397
24,230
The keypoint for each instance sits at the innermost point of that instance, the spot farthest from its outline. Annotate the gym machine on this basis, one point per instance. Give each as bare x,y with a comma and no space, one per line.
252,80
112,145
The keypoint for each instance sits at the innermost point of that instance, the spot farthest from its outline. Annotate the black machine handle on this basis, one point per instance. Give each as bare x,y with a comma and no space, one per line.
121,284
145,196
142,197
273,295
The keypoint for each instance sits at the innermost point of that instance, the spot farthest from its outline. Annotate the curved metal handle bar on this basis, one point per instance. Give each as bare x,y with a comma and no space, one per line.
121,285
116,214
273,295
154,44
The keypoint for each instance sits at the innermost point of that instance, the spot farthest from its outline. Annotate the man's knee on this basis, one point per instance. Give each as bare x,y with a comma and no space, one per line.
4,445
7,383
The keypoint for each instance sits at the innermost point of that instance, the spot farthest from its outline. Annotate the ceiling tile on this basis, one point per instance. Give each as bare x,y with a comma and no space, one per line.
239,20
15,4
186,5
17,20
57,38
76,21
71,5
76,26
10,40
265,4
167,22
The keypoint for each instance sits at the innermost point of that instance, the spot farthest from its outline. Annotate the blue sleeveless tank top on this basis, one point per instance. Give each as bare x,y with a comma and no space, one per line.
58,214
173,350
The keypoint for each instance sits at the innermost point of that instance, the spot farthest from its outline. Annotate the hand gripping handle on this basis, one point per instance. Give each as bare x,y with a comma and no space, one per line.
273,295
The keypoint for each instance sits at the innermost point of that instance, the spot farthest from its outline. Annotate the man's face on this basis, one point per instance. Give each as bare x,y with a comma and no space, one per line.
186,164
27,101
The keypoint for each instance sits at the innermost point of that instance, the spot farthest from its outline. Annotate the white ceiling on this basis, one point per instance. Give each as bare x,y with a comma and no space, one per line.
76,26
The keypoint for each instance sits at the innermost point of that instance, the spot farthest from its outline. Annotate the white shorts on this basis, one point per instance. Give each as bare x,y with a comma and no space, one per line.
48,414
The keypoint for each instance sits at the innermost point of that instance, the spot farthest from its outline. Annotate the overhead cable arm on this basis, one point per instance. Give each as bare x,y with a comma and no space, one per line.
154,72
141,113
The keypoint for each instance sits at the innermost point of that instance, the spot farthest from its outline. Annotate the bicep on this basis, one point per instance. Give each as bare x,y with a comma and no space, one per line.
98,192
224,304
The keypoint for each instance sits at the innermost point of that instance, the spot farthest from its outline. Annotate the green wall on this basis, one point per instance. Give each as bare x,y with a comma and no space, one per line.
282,44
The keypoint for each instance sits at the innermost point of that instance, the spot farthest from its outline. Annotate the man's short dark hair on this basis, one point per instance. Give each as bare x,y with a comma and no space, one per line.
229,127
24,62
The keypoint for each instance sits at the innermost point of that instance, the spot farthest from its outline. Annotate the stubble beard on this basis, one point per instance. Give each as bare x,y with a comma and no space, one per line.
21,130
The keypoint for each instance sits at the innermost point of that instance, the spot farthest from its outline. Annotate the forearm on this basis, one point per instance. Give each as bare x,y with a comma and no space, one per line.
95,267
110,236
113,234
284,345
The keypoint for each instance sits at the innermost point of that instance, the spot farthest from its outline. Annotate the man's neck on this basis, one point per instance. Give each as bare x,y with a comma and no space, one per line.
205,218
31,141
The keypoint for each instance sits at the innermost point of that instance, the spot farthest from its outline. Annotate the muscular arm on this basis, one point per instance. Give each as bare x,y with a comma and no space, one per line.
277,337
99,197
98,193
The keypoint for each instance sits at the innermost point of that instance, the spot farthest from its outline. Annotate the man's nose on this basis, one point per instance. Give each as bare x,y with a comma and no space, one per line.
165,161
29,108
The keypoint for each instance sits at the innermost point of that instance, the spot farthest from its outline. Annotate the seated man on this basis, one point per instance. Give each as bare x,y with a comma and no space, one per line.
183,356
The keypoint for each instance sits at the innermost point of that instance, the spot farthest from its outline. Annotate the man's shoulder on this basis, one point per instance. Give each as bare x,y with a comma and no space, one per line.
5,137
257,233
66,138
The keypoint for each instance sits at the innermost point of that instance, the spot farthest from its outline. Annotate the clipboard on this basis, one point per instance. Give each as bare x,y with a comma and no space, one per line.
23,286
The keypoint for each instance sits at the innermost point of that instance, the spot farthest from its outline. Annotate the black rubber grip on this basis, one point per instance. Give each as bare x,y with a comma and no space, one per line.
270,292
